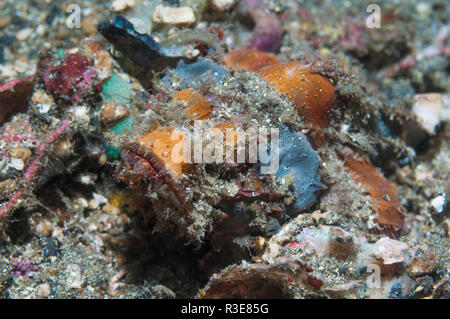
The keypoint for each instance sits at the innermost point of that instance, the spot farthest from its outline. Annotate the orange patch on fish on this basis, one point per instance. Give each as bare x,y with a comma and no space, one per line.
249,59
196,105
163,143
312,93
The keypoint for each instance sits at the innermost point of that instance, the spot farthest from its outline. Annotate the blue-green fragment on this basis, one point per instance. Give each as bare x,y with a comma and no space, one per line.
124,125
112,152
118,89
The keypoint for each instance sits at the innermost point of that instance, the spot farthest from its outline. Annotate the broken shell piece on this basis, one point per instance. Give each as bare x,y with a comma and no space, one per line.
173,16
24,34
222,5
427,108
43,101
45,228
97,200
20,156
439,203
17,164
112,112
41,97
122,5
103,64
393,253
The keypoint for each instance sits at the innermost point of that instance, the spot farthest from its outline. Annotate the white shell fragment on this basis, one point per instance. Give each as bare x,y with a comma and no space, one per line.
429,110
222,5
173,16
122,5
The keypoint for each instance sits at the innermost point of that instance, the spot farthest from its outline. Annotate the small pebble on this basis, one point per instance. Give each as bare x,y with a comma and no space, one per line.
41,97
4,21
112,112
103,64
173,16
17,164
73,276
427,108
43,101
98,200
44,290
438,204
24,34
21,153
122,5
222,5
45,228
58,234
110,209
423,9
425,262
8,71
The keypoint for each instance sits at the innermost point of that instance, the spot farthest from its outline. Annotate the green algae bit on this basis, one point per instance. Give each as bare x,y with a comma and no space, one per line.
118,89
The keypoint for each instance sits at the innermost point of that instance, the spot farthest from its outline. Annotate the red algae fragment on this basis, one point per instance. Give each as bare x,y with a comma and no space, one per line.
249,59
197,106
14,97
73,77
384,199
312,93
